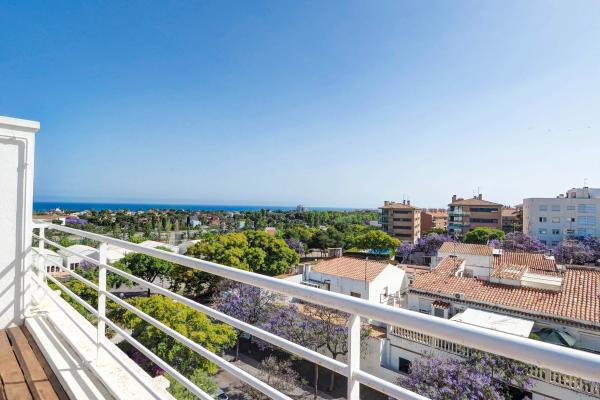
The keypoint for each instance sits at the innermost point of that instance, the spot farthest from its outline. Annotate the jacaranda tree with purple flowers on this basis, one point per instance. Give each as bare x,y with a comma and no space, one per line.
296,245
482,376
518,241
572,251
246,303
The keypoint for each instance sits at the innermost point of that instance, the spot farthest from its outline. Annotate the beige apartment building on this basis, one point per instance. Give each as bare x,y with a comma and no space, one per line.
401,220
467,214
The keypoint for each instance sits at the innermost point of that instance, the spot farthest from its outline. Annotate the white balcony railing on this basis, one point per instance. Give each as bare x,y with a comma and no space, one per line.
542,374
559,359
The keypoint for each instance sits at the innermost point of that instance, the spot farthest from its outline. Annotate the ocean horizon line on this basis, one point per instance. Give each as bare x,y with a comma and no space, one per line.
40,206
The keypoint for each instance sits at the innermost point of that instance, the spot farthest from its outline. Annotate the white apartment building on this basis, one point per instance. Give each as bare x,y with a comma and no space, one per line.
551,220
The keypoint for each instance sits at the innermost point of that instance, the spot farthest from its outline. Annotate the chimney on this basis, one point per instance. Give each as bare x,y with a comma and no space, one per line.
408,202
453,198
480,196
386,203
404,202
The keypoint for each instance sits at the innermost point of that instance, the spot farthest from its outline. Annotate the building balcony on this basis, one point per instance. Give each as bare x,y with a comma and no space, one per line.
420,343
88,365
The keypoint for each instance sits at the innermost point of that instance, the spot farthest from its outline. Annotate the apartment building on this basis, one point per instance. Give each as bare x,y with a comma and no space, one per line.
574,214
467,214
511,221
522,294
401,220
433,218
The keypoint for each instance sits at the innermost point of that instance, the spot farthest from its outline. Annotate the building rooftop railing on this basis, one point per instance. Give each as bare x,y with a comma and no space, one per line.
567,361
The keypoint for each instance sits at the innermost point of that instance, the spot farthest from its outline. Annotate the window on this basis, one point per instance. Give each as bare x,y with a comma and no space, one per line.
543,242
543,231
586,208
73,265
571,208
543,219
485,220
556,207
386,291
354,294
556,220
556,231
570,231
403,365
572,219
484,209
543,207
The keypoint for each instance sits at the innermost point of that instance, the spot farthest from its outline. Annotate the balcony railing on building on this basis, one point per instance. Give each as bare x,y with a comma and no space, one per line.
547,375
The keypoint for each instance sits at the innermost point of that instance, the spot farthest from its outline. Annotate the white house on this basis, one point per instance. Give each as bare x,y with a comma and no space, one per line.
575,213
376,281
51,262
72,261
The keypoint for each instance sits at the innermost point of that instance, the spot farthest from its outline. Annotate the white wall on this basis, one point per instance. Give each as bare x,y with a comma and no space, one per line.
533,209
16,202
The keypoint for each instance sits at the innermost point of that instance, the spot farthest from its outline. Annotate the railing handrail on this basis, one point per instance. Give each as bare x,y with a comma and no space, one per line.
568,361
335,365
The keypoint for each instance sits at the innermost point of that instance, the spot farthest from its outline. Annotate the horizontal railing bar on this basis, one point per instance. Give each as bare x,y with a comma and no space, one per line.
388,388
568,361
285,344
159,361
226,365
74,296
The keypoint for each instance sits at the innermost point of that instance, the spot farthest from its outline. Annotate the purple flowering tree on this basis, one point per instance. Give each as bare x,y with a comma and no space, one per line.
593,244
571,251
289,323
518,241
404,252
246,303
482,376
296,245
431,243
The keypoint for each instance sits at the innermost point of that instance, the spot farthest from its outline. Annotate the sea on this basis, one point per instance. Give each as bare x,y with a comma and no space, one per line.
41,206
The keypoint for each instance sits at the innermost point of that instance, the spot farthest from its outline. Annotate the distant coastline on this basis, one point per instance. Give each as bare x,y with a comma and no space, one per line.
40,206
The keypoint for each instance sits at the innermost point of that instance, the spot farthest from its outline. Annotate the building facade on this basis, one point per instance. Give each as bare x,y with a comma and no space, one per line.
401,220
523,294
467,214
574,214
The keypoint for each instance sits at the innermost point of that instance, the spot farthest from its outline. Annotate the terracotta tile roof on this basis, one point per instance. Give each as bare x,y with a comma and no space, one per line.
466,248
509,212
474,202
350,267
394,206
578,299
537,263
508,271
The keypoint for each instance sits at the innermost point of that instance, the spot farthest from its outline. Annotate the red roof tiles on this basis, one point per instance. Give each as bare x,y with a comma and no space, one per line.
350,267
578,299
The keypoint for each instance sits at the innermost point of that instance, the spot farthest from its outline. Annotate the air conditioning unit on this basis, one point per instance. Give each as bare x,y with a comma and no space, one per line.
459,296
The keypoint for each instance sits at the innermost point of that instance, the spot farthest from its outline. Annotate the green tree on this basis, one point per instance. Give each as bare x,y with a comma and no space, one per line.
251,250
377,240
200,378
215,337
145,267
483,235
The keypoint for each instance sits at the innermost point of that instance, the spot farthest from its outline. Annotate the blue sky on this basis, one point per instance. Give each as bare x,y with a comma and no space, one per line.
323,103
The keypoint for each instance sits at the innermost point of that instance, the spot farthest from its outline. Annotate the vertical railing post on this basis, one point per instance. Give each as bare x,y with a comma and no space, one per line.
40,264
353,357
101,299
